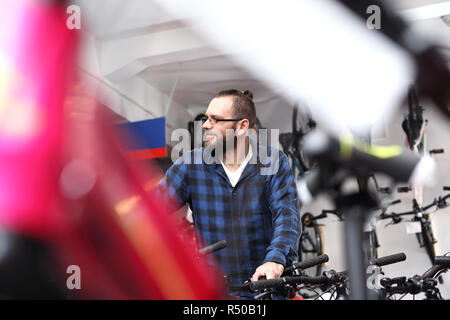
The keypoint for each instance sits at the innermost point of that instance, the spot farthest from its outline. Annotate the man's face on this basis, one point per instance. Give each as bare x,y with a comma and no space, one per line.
218,108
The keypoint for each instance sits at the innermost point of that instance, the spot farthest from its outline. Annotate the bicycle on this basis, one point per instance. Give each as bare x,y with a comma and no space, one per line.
285,286
345,158
426,283
425,236
330,282
416,128
372,243
311,242
292,142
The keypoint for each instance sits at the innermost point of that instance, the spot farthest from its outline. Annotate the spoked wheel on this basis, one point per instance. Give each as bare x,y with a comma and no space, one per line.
427,240
302,124
311,243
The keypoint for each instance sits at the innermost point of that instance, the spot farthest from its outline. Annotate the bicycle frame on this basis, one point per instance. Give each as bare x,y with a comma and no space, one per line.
426,236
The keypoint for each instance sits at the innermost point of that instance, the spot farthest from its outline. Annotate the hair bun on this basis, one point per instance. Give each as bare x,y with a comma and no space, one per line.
247,93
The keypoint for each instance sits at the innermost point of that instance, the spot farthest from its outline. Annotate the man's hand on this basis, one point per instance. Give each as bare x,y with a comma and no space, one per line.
270,270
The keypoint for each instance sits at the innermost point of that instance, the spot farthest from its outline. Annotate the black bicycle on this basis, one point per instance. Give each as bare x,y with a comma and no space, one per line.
426,236
426,283
267,289
416,129
340,160
414,124
331,284
311,242
372,244
292,280
292,142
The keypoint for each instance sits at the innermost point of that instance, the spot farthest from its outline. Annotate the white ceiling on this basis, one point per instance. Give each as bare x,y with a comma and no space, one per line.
135,41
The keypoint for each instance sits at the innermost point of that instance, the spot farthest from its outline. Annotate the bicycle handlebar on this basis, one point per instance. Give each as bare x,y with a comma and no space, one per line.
394,215
394,258
413,285
274,283
393,161
394,202
279,282
312,262
216,246
442,260
417,284
440,263
307,263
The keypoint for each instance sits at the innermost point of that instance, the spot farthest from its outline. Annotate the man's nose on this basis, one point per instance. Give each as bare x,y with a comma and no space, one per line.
206,125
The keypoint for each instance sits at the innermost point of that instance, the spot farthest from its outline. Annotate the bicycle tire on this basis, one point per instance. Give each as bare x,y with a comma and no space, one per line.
311,243
428,241
302,120
413,121
302,124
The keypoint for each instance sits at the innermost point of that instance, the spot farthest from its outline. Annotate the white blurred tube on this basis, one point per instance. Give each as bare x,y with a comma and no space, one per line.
314,50
303,192
425,173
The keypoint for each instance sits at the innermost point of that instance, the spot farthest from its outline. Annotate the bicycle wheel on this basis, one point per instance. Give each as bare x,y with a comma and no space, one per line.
428,239
413,123
311,243
302,124
302,120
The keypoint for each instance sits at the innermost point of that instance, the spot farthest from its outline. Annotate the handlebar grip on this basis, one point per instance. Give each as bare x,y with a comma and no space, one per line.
436,151
442,260
433,271
395,202
394,258
446,188
403,189
213,247
266,284
311,262
306,264
279,282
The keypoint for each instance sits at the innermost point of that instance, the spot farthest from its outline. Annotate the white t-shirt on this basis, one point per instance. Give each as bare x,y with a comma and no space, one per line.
234,176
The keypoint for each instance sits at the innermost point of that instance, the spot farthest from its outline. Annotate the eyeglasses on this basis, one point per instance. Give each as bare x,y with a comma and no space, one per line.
214,120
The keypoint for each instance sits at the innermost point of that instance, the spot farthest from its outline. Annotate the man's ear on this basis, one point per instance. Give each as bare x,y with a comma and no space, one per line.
243,126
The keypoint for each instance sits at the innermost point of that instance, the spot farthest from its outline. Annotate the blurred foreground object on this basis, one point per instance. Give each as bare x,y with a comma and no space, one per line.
316,51
323,52
69,198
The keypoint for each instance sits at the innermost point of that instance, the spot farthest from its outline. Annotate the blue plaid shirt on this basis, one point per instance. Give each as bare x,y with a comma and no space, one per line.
259,217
